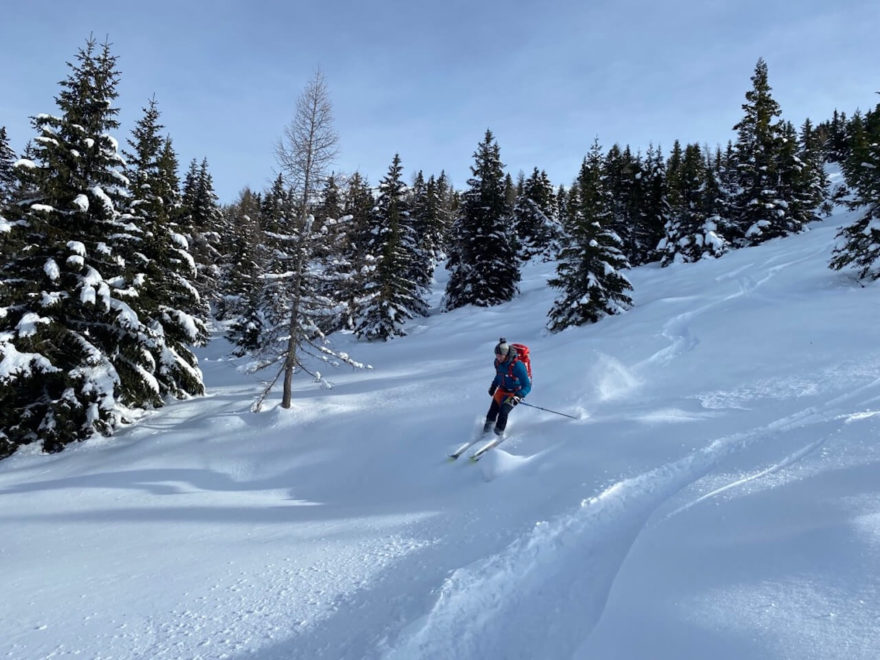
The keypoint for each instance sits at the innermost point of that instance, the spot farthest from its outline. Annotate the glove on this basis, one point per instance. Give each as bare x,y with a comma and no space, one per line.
492,389
512,400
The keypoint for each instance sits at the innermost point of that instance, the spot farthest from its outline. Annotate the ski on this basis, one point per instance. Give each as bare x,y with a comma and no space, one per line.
482,450
458,452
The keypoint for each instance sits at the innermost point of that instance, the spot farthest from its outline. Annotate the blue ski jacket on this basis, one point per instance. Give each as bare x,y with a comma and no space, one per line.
512,378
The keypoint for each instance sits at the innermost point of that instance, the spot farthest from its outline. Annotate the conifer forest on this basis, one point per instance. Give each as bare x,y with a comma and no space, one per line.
116,260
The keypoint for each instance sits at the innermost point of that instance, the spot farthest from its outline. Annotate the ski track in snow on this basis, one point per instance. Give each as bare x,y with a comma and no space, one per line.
572,560
787,461
677,329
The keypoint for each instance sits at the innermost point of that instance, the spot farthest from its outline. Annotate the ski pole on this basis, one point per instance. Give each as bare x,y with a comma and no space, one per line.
523,403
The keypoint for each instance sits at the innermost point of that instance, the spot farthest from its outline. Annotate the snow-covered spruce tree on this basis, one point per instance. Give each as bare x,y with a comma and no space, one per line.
691,231
352,266
858,245
723,186
391,296
802,180
277,221
591,260
623,180
73,352
654,209
242,283
511,190
7,185
761,210
167,301
842,136
238,217
167,165
431,216
536,219
674,165
349,267
330,205
482,255
7,178
862,133
835,143
817,185
304,153
331,221
327,208
423,211
563,209
857,140
202,223
637,211
17,185
276,206
422,221
450,201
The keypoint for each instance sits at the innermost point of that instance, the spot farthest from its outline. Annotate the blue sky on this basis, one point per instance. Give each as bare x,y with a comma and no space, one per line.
426,79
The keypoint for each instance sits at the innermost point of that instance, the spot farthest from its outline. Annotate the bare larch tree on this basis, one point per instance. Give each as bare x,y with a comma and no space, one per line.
304,153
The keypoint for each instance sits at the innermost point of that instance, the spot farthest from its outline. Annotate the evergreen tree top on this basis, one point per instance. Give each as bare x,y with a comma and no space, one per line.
487,162
88,92
760,107
7,158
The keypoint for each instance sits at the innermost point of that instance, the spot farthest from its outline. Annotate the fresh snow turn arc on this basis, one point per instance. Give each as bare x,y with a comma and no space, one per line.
717,493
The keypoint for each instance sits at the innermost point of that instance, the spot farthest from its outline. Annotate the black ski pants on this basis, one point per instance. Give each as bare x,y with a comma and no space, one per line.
498,414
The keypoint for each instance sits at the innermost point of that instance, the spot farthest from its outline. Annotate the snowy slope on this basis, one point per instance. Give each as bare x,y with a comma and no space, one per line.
719,495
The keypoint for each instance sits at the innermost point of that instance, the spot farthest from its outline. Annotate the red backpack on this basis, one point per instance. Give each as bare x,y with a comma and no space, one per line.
522,354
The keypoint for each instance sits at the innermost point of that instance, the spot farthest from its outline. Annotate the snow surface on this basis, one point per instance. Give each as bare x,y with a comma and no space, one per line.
718,497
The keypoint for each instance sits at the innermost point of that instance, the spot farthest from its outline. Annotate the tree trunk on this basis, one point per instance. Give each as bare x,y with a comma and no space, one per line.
292,340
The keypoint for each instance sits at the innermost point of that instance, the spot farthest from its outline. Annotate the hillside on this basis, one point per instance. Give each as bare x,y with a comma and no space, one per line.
718,495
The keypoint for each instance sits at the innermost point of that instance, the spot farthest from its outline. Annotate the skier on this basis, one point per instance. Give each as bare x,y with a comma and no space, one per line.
510,386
